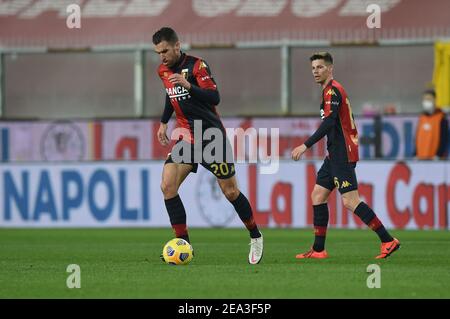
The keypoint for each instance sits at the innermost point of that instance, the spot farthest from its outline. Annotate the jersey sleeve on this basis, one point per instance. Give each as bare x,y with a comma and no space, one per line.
332,102
206,88
168,111
203,75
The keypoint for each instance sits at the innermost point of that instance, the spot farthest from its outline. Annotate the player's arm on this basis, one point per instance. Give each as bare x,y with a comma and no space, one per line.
206,90
205,95
331,111
162,131
168,111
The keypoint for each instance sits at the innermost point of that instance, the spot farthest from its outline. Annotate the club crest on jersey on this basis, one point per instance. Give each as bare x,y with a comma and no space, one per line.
184,73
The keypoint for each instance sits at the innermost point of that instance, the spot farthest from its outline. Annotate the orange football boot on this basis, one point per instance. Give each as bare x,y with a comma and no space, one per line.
313,254
388,248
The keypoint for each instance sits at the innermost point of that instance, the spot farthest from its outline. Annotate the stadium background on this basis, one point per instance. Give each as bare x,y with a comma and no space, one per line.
80,107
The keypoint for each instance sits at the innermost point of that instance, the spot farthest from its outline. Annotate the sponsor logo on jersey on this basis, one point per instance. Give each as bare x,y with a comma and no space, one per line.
331,92
332,102
178,93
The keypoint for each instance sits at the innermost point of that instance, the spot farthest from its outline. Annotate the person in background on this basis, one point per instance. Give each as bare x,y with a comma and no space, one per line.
432,130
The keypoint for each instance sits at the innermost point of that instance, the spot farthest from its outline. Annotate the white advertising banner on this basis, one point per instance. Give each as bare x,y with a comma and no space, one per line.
404,195
45,141
126,140
136,139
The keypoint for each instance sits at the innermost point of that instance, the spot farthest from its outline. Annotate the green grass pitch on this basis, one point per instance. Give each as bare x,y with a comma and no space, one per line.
124,263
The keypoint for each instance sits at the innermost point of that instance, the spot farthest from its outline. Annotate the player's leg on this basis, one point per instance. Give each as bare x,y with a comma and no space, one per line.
348,187
353,202
240,203
319,197
223,168
242,206
172,177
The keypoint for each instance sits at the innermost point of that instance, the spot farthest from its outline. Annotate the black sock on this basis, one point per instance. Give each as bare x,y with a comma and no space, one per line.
321,216
244,210
369,218
177,216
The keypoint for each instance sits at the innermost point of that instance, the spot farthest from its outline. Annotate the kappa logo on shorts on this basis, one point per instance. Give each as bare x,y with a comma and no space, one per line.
345,184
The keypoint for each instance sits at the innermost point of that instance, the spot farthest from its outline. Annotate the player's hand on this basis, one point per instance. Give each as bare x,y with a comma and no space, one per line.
162,136
298,152
178,79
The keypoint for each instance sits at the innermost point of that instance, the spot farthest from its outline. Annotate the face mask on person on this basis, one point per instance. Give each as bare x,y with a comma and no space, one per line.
428,106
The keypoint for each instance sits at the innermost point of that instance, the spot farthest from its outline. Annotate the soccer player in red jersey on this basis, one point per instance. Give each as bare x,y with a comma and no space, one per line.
338,169
192,93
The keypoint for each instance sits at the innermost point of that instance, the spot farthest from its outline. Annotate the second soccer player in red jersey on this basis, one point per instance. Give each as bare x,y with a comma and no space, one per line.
338,169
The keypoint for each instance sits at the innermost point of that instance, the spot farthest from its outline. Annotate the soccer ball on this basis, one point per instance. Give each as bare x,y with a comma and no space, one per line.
177,252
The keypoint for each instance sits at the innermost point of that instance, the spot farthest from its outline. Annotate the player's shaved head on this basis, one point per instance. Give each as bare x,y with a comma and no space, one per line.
165,34
326,56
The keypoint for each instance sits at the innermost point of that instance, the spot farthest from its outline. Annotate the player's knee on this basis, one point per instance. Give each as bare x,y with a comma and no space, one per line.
168,189
318,198
231,193
350,203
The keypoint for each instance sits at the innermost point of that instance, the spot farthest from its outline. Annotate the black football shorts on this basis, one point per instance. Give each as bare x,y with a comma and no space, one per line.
337,175
222,167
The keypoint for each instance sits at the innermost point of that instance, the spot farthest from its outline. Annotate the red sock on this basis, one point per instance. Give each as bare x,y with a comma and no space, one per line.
180,231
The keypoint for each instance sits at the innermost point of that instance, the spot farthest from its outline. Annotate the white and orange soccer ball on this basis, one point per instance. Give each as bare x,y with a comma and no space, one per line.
177,251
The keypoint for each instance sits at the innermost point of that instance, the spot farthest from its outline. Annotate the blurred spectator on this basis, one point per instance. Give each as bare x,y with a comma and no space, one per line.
390,109
432,130
369,109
